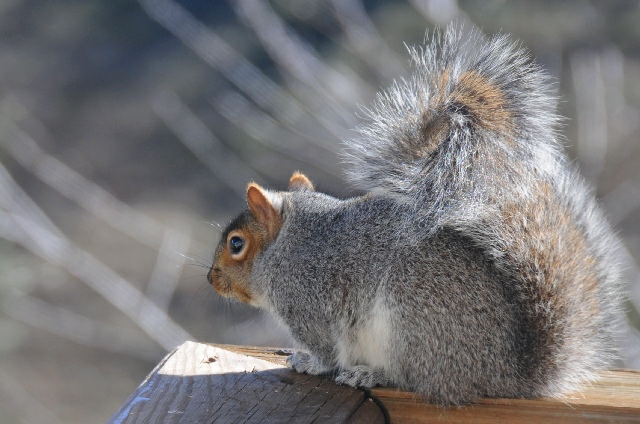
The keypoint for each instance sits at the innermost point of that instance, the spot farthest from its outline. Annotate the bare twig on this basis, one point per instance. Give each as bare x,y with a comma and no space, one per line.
262,128
204,145
20,223
236,68
363,38
168,268
71,184
81,190
330,89
439,12
80,329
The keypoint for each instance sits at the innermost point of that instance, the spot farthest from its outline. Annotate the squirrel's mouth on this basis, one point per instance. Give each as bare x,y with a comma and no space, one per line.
226,287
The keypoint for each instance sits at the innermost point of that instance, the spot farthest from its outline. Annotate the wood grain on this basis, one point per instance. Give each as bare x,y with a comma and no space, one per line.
199,383
236,384
614,398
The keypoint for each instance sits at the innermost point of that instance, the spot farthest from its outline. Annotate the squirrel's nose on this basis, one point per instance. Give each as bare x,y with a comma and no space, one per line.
211,274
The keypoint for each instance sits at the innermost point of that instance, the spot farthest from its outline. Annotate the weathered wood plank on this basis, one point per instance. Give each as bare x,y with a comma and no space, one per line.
200,383
615,397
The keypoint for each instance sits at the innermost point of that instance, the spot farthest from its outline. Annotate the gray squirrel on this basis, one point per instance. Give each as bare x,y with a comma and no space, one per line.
477,264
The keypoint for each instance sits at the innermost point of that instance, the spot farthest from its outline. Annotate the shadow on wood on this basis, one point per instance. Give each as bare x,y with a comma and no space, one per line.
203,383
199,383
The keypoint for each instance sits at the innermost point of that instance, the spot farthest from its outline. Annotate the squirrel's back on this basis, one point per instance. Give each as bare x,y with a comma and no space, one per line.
470,143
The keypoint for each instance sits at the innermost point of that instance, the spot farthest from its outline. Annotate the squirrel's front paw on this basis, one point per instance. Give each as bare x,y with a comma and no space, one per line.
304,362
362,376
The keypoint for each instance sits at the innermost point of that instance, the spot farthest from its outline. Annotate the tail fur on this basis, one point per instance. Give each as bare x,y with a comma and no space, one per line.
470,142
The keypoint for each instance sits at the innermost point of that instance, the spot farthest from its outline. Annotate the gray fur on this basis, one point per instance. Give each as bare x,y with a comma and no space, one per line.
454,325
478,265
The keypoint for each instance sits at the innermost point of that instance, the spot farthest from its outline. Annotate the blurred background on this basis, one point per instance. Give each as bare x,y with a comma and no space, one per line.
128,131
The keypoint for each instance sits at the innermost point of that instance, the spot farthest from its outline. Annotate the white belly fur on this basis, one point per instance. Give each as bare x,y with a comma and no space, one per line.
370,345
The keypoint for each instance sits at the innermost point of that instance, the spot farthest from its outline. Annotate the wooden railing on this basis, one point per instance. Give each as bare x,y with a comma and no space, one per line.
200,383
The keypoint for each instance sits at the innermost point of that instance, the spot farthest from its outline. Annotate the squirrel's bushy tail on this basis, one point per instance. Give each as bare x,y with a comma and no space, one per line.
470,142
445,137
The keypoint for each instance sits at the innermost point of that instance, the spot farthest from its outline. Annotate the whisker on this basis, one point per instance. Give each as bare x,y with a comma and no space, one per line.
198,265
197,295
214,224
198,260
199,277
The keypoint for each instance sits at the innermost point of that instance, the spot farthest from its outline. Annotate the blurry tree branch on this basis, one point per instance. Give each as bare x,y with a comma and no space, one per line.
22,222
81,190
364,39
329,88
74,186
264,129
166,273
205,146
238,70
78,328
439,11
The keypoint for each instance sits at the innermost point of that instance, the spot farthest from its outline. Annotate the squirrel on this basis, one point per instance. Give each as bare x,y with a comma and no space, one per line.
477,264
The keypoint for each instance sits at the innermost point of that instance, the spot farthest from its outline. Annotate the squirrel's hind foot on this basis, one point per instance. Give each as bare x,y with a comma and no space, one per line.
304,362
362,376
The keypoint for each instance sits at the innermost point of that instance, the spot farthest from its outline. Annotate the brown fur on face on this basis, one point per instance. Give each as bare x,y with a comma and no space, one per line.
230,274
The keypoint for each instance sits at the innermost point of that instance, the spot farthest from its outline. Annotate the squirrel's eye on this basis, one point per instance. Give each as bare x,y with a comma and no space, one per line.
236,244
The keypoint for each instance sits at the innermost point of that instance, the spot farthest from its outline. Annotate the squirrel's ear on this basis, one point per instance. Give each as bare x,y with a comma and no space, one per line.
299,182
265,207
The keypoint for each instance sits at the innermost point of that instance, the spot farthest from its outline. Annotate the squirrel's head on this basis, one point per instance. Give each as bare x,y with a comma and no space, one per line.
247,236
